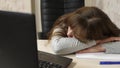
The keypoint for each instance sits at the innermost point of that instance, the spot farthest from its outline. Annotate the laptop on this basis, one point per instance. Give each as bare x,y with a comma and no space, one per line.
18,45
17,40
52,61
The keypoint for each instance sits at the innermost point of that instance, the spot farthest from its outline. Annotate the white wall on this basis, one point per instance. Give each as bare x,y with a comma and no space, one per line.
16,5
111,7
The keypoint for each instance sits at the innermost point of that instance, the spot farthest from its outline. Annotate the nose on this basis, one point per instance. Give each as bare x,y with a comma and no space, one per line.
69,32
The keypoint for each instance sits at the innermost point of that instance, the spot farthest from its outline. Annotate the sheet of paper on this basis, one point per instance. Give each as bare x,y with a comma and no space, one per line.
99,55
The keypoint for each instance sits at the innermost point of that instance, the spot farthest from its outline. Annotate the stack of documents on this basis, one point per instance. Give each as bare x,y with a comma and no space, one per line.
99,55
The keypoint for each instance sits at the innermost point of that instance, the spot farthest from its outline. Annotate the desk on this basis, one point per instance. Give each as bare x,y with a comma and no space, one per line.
77,63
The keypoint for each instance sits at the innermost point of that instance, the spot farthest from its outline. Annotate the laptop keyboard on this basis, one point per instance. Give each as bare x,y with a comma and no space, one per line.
46,64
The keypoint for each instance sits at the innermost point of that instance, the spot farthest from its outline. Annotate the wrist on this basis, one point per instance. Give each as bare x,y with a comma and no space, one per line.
98,42
100,48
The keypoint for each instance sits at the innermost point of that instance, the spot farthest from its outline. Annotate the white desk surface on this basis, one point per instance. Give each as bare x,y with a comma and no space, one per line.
76,63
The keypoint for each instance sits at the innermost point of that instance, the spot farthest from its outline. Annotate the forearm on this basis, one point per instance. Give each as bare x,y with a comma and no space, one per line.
112,47
109,48
93,49
66,45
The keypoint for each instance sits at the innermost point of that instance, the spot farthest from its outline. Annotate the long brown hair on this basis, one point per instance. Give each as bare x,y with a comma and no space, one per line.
59,23
88,23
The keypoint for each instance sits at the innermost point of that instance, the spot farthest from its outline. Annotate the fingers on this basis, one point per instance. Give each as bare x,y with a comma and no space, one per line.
117,38
110,39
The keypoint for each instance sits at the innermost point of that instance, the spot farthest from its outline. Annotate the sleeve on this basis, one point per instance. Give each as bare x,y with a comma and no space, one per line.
65,45
112,47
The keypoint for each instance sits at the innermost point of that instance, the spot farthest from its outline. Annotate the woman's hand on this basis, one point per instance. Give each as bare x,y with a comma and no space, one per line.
111,39
96,48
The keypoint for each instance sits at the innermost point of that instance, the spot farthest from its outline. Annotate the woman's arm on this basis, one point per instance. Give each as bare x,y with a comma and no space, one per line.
65,45
105,46
109,48
112,47
93,49
110,39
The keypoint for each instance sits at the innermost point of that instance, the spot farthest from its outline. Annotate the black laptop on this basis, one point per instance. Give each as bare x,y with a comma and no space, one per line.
18,46
52,61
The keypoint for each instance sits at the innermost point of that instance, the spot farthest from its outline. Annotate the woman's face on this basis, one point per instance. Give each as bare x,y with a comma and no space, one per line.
70,32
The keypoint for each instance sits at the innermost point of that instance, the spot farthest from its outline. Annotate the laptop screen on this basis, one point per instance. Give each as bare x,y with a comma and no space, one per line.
18,47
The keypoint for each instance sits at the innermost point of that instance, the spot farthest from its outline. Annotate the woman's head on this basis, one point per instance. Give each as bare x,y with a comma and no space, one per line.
59,23
86,23
90,23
